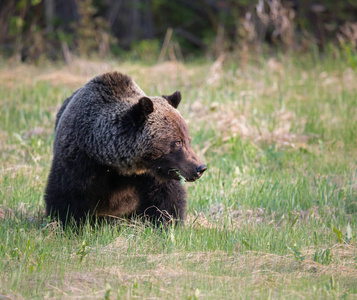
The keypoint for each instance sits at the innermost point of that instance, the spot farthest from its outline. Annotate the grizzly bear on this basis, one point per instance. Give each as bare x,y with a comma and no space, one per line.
118,152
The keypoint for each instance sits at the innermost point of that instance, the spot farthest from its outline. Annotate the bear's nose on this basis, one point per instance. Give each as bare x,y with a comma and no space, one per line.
200,169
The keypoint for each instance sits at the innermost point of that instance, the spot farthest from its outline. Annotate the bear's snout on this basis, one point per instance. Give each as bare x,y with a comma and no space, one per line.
200,169
195,173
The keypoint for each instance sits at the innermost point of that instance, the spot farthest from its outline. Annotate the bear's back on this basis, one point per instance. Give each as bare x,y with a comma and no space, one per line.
109,92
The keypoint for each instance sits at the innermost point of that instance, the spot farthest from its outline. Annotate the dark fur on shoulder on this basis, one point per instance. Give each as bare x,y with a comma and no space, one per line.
118,152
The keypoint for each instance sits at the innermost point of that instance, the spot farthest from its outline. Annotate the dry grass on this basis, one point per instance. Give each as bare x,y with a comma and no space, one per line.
249,267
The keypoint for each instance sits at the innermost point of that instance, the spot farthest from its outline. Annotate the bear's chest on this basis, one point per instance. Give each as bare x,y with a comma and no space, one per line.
121,202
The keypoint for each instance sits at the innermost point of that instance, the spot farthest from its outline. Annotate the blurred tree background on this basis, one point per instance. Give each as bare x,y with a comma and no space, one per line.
58,29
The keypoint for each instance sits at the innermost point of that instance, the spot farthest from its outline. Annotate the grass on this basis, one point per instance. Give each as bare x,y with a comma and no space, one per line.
273,217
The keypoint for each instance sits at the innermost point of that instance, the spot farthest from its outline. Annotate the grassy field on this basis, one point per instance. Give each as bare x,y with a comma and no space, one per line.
273,217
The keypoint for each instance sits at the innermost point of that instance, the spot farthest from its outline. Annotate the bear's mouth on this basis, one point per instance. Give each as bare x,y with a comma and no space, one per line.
176,174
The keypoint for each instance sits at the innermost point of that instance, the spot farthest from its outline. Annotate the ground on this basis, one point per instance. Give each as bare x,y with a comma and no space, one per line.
274,215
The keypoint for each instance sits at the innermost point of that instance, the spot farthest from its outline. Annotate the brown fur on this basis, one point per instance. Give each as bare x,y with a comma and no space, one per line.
117,152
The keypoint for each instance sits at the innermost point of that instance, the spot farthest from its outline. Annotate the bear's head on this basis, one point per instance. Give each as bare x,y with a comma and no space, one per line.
168,153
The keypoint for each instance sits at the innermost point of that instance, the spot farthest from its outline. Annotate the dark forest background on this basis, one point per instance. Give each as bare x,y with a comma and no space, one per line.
180,29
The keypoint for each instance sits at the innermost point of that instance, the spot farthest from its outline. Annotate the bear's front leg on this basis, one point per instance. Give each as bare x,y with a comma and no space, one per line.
164,202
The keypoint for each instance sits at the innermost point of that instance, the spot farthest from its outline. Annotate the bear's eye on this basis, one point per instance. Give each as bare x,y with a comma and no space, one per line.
178,143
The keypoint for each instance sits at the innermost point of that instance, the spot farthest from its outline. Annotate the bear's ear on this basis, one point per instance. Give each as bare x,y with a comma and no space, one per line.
141,110
146,107
173,99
